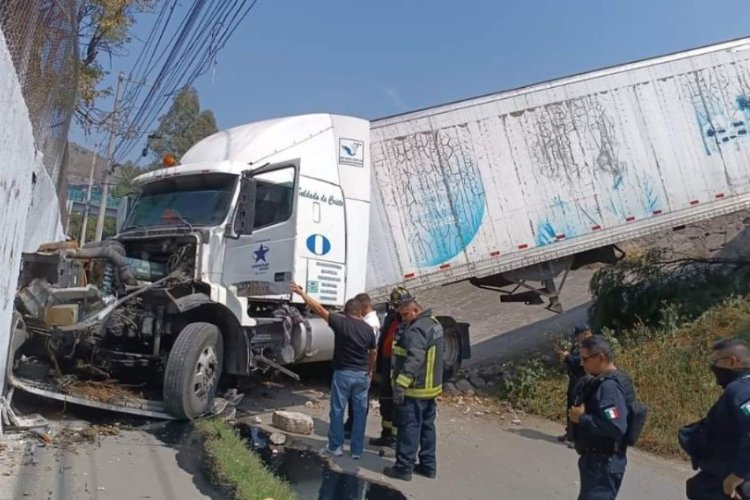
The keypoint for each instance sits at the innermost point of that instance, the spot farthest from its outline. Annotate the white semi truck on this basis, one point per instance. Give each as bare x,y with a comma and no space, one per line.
504,189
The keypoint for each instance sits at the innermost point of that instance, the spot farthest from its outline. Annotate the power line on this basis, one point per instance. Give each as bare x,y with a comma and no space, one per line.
206,32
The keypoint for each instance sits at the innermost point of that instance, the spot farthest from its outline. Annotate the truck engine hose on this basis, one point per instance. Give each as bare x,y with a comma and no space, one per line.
111,251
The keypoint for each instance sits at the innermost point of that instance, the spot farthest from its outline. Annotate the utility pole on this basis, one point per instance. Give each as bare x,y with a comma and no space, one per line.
87,206
110,160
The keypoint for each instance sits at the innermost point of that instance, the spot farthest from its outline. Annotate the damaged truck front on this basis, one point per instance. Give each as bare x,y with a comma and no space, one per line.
196,283
135,309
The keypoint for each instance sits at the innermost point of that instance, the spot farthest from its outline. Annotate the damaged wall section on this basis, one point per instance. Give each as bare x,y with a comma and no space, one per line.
29,206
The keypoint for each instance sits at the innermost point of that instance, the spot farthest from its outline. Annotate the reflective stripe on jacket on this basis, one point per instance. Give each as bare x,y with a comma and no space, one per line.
417,361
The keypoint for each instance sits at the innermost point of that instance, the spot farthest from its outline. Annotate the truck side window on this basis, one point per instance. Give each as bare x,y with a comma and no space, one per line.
274,199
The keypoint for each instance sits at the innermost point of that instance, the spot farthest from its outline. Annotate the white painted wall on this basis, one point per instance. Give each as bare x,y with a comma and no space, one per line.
29,213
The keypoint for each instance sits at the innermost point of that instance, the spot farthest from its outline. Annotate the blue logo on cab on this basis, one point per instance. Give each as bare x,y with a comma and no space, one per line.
318,244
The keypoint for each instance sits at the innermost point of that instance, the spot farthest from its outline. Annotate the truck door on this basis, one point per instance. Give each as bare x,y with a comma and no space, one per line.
261,264
321,244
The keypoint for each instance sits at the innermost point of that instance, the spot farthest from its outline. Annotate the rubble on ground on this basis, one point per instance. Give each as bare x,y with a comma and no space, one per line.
294,422
277,438
68,438
106,391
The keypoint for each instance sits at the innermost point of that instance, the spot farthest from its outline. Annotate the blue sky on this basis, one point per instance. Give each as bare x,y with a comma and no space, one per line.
376,58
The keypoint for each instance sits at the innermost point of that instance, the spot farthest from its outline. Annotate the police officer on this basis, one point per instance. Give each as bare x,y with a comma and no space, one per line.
391,324
601,421
719,445
576,373
417,375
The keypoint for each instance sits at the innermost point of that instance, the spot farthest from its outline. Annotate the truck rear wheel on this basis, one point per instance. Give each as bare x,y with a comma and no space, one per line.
193,370
452,348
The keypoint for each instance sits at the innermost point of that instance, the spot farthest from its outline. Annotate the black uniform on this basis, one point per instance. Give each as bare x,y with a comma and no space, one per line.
576,378
600,435
719,444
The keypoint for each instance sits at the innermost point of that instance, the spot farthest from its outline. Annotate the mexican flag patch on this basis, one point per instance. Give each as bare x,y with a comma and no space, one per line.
745,408
613,414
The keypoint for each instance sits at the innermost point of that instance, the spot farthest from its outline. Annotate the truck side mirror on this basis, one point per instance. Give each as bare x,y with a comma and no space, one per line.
245,216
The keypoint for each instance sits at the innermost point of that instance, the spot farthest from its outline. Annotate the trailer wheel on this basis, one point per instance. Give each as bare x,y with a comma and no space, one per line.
193,370
452,348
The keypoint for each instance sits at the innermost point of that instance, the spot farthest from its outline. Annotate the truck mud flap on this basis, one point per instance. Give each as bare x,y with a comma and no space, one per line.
133,406
463,330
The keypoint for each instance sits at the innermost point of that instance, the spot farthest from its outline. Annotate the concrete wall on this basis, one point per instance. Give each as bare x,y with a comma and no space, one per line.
29,209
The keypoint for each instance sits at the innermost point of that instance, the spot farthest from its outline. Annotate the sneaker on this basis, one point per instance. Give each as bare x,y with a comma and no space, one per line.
336,453
395,473
356,457
423,471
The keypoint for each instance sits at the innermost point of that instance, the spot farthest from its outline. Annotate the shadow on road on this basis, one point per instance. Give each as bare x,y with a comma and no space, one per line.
535,435
509,346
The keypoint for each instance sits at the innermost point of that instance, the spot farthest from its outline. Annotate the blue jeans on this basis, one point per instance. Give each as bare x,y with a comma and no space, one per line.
352,386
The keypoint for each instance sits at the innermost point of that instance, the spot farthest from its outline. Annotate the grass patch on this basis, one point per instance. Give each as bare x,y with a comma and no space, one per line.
234,464
669,367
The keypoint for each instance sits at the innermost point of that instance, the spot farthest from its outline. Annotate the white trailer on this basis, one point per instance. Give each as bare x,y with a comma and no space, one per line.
514,185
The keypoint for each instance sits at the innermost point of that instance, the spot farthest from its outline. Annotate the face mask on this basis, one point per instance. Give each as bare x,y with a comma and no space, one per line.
724,376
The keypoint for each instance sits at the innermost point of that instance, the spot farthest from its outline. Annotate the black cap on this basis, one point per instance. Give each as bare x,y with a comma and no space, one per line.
580,328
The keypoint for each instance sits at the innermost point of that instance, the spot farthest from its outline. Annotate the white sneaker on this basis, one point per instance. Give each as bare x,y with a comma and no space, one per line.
336,453
356,457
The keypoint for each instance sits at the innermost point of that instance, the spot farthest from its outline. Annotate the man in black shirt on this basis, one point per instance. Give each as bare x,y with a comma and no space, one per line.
353,364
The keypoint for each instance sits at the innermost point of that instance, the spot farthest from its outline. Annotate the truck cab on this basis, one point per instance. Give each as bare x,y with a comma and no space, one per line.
196,282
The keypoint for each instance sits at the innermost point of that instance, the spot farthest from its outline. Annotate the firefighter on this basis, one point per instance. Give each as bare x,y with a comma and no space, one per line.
417,378
391,324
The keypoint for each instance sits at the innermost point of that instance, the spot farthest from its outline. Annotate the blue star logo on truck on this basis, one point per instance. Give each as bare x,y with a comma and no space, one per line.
260,254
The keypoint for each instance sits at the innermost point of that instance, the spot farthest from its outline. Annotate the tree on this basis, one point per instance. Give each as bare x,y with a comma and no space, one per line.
103,28
76,221
124,176
182,126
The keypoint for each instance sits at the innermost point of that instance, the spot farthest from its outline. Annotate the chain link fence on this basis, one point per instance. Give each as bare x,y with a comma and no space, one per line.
42,38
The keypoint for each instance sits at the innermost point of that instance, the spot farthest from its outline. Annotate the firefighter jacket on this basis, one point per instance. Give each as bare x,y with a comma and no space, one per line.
417,362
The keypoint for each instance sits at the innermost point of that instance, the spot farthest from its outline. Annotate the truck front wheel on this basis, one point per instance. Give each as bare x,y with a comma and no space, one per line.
193,370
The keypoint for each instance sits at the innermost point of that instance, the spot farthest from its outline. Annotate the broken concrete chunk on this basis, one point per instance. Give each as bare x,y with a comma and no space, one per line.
291,421
465,386
277,438
477,381
449,388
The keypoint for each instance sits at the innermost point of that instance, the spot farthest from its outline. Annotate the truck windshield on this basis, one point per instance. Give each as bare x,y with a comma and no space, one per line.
195,200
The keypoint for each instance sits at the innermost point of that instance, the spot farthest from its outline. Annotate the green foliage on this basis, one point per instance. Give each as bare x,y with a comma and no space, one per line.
660,293
669,367
76,221
182,126
231,462
103,29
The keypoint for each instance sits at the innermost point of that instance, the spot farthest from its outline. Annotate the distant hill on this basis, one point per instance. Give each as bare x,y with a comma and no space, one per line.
79,165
